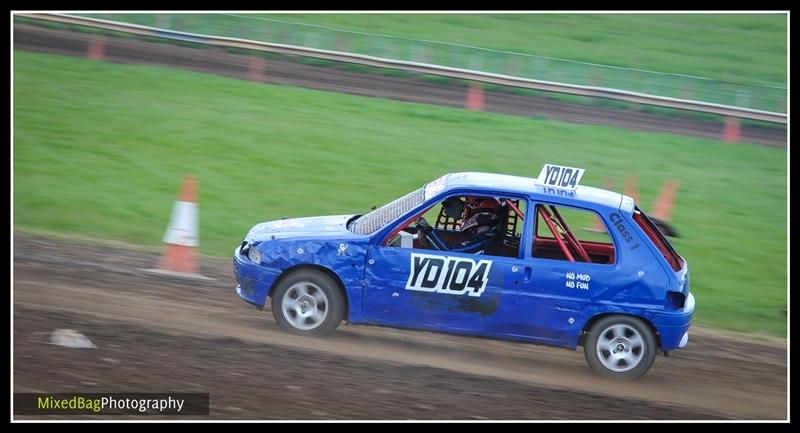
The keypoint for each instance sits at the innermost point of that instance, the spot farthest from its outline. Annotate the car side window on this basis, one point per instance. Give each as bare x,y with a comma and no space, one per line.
467,224
572,234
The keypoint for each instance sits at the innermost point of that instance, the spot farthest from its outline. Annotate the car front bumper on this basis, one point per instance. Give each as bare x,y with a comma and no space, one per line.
254,280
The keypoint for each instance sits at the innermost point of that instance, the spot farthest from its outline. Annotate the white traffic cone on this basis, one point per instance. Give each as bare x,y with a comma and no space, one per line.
181,235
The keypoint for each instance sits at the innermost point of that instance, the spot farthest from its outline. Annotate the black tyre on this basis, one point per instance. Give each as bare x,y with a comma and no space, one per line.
308,302
620,347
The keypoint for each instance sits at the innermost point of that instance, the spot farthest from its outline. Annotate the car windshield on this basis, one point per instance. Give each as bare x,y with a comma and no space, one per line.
373,221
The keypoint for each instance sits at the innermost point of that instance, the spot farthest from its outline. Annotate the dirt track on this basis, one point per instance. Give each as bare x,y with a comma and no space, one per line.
405,89
158,334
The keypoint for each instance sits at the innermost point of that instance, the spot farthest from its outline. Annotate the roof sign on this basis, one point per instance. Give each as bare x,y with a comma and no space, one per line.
560,176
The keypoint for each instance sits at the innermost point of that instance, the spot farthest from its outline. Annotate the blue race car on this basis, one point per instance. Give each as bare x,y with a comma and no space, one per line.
486,255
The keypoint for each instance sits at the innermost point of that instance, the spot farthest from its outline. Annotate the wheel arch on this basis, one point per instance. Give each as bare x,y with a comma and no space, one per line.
597,317
288,271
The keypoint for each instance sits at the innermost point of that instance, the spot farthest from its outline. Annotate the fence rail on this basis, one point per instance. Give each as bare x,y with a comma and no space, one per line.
423,57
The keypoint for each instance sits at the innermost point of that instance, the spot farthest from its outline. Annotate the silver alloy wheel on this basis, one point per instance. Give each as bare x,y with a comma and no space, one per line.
305,306
620,348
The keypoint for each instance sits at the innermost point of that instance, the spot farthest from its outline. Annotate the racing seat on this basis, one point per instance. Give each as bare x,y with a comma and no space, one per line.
494,237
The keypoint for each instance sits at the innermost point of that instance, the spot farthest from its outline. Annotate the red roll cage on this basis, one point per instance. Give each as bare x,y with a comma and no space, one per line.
559,228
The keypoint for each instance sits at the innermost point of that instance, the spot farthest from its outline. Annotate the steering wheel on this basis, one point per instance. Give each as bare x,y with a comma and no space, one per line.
423,229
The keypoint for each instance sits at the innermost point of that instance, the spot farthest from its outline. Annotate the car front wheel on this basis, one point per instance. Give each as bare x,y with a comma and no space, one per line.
621,347
308,302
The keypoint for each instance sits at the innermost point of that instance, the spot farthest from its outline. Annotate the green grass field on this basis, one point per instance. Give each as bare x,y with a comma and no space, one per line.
100,149
750,47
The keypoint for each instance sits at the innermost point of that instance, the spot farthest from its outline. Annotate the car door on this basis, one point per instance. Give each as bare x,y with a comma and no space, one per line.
442,290
558,291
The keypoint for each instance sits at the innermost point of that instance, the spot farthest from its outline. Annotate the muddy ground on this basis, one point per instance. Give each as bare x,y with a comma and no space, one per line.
295,73
162,334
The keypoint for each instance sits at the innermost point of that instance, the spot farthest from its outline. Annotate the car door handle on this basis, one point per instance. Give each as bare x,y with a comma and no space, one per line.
528,274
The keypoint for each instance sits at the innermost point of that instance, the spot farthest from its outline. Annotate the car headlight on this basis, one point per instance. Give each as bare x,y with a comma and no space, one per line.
254,255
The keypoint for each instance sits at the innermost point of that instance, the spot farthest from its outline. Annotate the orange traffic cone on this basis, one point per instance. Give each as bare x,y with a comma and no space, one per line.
630,188
96,49
475,97
663,209
181,235
732,132
256,71
665,201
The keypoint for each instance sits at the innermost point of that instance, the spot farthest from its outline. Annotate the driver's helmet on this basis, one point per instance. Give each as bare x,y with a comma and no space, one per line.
481,222
473,205
480,213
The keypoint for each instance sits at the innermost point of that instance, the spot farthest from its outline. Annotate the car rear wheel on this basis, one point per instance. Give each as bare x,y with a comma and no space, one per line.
308,302
621,347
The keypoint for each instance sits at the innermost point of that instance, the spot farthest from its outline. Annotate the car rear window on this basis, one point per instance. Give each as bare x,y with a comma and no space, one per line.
658,239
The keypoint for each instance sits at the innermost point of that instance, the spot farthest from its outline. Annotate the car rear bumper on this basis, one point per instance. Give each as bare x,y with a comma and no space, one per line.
673,326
